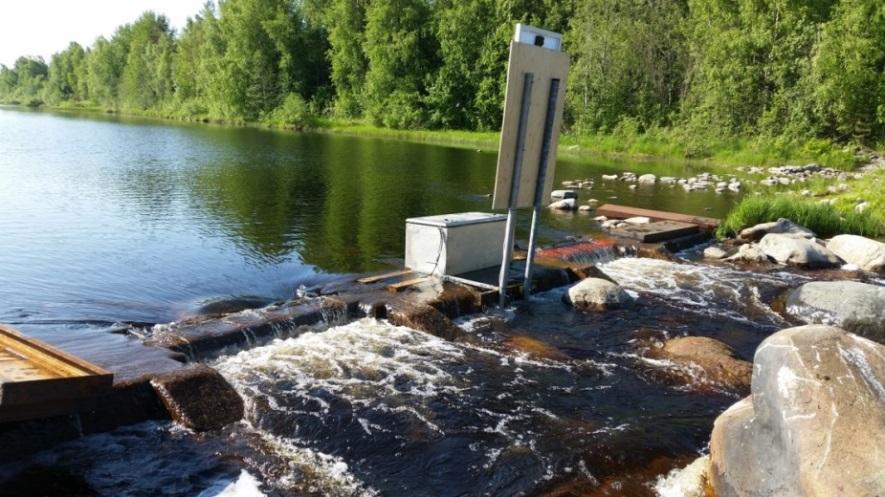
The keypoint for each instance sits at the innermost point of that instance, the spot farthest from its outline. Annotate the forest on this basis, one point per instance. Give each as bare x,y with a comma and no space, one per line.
697,72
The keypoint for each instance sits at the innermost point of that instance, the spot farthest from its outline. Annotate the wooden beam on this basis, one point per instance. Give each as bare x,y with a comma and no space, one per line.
38,380
385,276
624,212
402,285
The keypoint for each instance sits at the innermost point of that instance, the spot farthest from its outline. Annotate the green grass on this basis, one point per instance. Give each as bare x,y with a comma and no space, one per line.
484,140
824,219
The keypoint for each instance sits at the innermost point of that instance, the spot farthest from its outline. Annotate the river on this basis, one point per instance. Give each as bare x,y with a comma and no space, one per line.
105,219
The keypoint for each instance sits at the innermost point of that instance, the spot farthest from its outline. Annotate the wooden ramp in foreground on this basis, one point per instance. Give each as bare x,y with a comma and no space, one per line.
624,212
38,380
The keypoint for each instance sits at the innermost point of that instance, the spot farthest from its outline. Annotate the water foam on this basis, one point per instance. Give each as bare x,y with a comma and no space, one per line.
700,288
245,485
684,482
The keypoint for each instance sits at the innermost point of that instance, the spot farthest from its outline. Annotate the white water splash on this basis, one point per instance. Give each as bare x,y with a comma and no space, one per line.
361,361
699,288
244,486
684,482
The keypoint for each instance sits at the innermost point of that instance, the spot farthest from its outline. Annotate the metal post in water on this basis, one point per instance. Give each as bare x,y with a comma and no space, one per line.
528,80
539,186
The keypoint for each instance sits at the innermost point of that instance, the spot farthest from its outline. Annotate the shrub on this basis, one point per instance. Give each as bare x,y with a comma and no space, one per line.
292,113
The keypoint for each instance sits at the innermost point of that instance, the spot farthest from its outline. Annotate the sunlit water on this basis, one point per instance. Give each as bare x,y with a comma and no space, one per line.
103,220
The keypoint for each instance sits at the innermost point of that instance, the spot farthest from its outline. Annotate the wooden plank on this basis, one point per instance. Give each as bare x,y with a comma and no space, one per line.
545,65
658,231
386,276
35,373
623,212
402,285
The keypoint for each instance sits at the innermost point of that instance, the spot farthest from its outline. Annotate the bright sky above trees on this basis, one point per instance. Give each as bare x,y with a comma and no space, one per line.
43,27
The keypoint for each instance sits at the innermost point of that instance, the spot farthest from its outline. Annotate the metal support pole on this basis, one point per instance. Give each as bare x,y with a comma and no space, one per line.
539,186
503,276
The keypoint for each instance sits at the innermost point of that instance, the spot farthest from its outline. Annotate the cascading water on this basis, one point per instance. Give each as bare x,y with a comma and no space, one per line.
537,399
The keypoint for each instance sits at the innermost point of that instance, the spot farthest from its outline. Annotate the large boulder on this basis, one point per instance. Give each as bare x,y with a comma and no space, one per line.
716,362
597,294
864,253
814,424
782,226
855,306
199,398
798,251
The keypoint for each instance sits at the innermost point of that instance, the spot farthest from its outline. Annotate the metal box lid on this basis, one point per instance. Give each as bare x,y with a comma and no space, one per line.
457,219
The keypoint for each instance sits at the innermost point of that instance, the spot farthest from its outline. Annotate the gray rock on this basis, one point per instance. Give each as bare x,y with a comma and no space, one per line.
566,204
797,251
813,425
780,226
597,294
864,253
585,208
637,220
749,252
715,252
857,307
563,194
648,179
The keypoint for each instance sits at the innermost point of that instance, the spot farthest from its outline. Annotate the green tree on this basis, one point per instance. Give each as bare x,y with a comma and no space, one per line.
65,70
848,72
105,64
629,61
146,80
400,49
345,22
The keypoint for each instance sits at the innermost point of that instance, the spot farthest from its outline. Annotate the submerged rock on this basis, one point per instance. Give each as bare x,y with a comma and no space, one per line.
864,253
858,307
534,348
199,398
782,226
798,251
221,306
718,363
813,425
597,294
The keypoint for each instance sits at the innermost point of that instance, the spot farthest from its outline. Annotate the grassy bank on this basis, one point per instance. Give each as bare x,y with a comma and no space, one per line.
856,206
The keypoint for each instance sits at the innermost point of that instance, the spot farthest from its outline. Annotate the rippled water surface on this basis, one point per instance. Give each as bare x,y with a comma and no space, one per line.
105,220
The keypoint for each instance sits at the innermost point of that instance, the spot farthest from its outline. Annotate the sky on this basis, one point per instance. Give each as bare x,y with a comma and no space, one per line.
43,27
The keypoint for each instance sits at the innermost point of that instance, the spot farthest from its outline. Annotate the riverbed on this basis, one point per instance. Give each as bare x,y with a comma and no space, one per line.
108,222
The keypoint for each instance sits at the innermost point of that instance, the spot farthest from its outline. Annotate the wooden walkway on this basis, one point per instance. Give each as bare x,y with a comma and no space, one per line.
38,380
624,212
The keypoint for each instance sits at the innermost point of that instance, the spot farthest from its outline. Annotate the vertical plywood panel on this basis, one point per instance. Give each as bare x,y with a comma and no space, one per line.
546,65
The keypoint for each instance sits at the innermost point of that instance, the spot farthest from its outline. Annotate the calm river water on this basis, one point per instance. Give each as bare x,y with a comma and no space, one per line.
105,219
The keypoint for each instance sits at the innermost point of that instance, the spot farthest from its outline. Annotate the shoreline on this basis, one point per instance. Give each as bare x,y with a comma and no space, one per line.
575,147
